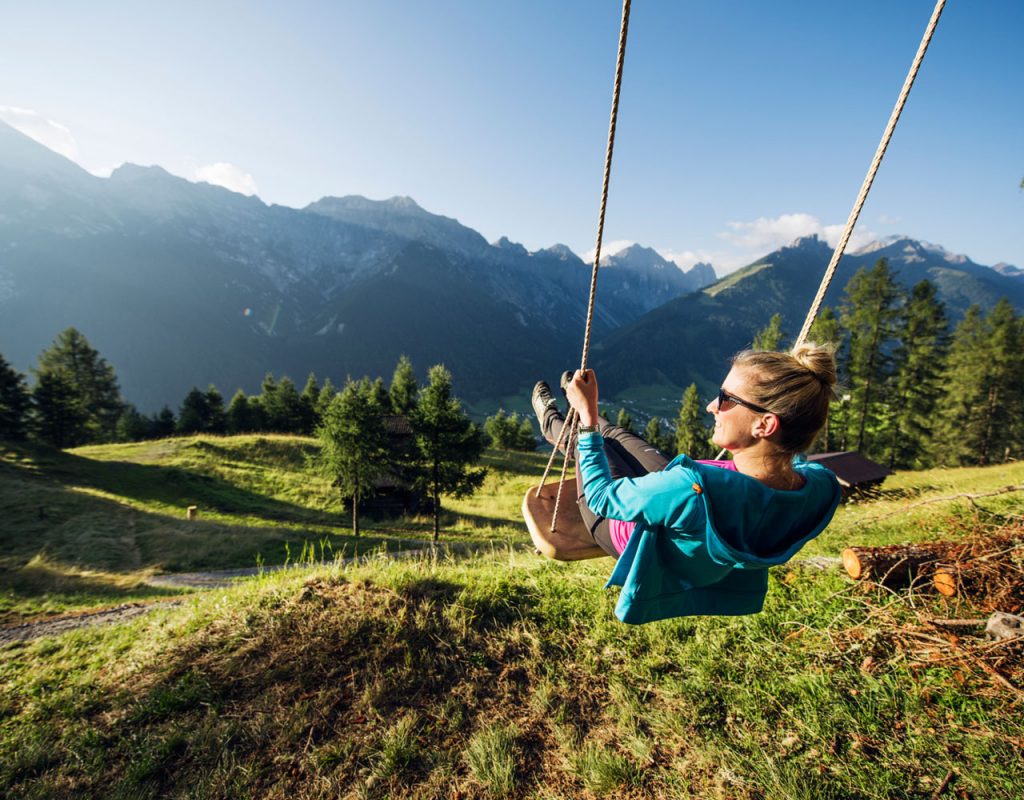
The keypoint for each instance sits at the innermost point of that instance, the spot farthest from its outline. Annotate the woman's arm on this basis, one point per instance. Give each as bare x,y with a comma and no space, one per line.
668,498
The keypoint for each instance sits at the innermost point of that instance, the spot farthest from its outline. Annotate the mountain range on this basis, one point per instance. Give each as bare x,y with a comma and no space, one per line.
180,284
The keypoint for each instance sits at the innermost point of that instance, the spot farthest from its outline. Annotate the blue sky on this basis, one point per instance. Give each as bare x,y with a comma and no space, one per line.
742,124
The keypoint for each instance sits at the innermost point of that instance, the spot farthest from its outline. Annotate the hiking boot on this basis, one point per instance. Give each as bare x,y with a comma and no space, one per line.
542,400
566,379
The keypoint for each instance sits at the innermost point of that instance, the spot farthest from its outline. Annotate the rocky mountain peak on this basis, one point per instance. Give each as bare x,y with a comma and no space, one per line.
811,243
504,243
562,252
1009,270
358,203
702,274
128,172
905,248
639,258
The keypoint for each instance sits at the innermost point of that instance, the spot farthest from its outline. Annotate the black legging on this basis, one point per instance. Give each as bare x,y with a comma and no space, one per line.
628,455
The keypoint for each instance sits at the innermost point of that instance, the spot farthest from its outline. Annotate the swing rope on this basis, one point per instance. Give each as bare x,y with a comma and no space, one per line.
870,177
569,427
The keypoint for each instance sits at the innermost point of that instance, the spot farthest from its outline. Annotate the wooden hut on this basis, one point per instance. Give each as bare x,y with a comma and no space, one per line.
856,472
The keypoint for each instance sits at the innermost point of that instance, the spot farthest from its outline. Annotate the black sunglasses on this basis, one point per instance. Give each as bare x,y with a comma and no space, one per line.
725,397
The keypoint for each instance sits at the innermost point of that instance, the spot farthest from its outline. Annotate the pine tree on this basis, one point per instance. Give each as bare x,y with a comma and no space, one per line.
983,401
624,421
982,407
922,340
324,398
354,444
1003,408
265,407
691,431
309,397
14,403
90,376
449,443
133,426
216,419
288,413
527,439
403,388
869,313
509,432
380,395
163,423
194,416
59,414
653,435
239,414
769,337
496,427
961,408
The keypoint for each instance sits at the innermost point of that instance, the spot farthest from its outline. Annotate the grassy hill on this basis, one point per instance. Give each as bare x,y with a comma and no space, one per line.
88,526
496,674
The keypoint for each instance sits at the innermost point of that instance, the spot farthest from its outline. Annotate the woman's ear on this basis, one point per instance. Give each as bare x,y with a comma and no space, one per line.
766,425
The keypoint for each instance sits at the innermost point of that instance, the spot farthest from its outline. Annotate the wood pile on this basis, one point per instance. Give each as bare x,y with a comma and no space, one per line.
986,569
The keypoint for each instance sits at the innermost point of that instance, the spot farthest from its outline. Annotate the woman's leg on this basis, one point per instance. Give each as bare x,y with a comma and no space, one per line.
641,456
629,456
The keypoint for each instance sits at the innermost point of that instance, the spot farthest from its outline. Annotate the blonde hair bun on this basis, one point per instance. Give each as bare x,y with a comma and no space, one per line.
818,360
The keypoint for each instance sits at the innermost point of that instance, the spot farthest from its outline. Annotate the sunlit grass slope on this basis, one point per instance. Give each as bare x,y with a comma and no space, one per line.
499,675
85,527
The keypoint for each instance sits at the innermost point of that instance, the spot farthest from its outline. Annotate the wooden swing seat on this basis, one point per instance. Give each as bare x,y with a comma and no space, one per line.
572,541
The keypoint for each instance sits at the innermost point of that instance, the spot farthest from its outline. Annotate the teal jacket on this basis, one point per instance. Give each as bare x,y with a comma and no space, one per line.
705,536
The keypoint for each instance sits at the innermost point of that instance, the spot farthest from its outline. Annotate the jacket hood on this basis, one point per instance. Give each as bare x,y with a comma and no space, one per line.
738,506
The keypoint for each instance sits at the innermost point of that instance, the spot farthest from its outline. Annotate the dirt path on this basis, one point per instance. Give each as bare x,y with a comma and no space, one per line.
214,580
183,580
72,622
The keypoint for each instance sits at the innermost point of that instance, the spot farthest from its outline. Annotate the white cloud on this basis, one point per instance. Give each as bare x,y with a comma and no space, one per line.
48,133
768,234
888,219
751,240
229,176
104,172
607,249
861,236
684,259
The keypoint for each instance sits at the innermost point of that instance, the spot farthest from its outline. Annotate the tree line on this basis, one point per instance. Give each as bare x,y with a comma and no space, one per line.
76,400
418,438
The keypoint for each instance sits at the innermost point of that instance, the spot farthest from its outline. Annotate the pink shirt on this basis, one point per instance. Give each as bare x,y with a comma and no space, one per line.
621,531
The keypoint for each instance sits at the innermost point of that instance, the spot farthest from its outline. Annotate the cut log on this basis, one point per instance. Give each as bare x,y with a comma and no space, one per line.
966,577
894,565
984,568
945,582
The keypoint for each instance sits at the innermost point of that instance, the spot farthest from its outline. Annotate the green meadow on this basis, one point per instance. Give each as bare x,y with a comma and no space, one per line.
477,670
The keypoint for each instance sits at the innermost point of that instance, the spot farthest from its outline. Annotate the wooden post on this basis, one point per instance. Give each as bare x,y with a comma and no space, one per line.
192,512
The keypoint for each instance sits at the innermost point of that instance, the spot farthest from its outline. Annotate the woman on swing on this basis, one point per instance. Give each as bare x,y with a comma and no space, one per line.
697,537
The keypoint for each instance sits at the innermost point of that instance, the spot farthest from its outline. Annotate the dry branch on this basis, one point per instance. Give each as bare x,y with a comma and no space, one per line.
960,496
